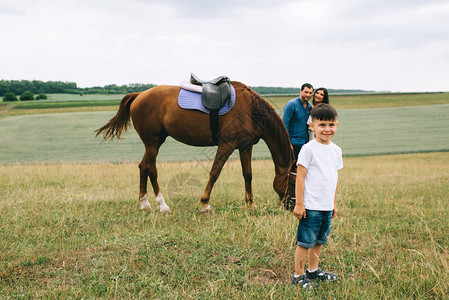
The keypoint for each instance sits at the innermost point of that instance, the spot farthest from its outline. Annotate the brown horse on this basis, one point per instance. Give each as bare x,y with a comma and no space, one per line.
156,114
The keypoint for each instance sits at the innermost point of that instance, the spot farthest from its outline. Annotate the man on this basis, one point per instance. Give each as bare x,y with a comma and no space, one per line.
296,113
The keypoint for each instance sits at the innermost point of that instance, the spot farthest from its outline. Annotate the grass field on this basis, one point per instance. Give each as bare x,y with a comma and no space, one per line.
70,224
75,231
376,100
61,103
84,97
64,104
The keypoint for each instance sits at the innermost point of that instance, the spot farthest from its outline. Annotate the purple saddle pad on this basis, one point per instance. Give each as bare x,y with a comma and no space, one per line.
192,100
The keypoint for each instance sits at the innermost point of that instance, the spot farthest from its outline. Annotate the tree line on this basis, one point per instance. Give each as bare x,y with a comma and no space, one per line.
18,87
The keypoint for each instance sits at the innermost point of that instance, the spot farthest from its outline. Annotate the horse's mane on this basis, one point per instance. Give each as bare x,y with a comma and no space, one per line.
266,117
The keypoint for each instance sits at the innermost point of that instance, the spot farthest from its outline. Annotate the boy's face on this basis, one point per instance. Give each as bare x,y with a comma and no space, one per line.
324,130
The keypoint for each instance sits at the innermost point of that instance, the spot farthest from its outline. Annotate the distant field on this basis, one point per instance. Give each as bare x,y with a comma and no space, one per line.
84,97
60,103
70,136
63,104
375,101
76,103
63,130
66,107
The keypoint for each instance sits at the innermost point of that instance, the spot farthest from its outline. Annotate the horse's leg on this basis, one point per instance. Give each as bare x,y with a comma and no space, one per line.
222,155
148,169
144,167
245,160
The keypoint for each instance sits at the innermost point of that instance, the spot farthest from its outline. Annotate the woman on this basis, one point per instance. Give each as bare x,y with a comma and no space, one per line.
320,96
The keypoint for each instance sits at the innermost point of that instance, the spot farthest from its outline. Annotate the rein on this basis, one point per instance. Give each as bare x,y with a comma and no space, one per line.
286,199
287,185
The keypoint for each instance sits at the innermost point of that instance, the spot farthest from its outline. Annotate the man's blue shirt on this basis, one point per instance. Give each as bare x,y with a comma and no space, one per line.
295,118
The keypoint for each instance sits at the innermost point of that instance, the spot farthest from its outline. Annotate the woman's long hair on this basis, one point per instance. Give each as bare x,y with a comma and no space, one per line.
325,98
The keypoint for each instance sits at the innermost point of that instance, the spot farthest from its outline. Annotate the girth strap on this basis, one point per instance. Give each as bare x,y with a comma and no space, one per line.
214,126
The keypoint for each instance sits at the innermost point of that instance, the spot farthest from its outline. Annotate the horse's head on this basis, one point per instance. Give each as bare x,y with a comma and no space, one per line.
285,186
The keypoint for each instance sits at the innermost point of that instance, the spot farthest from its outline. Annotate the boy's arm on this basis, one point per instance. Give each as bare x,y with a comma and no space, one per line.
299,211
334,212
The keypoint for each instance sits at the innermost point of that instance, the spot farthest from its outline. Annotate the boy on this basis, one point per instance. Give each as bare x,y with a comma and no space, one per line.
316,190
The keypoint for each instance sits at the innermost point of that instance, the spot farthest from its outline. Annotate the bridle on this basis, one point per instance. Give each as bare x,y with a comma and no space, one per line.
288,200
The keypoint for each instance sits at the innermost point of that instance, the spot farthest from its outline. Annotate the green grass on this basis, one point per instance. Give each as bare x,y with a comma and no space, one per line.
63,104
60,103
72,230
75,231
85,97
376,100
65,137
393,130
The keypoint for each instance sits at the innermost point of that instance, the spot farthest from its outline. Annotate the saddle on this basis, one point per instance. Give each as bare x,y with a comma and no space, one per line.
214,95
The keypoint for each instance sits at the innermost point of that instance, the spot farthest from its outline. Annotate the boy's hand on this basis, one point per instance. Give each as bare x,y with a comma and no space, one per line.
299,211
334,212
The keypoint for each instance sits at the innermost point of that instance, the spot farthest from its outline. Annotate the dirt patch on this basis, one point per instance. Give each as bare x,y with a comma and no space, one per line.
269,276
4,108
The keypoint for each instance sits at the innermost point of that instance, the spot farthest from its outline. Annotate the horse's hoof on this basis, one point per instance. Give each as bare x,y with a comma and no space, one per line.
144,204
165,209
207,210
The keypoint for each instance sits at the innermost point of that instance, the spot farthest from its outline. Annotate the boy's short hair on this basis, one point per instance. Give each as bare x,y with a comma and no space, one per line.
324,112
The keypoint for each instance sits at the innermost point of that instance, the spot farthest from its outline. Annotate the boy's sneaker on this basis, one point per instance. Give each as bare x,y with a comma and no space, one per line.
321,275
303,282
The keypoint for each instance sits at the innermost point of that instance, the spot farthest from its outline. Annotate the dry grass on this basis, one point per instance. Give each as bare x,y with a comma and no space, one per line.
75,231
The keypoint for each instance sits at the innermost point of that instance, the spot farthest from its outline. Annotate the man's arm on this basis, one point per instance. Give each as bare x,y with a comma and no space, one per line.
287,116
299,211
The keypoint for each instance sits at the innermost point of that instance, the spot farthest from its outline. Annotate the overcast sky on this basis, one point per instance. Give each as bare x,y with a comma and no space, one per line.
381,45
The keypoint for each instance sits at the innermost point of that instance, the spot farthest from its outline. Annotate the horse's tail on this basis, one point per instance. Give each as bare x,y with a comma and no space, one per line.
120,122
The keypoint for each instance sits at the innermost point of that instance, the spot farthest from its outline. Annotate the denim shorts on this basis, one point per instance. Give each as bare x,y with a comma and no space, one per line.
314,228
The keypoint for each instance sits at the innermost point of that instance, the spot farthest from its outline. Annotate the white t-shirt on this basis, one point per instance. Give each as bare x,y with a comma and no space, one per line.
311,132
322,163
